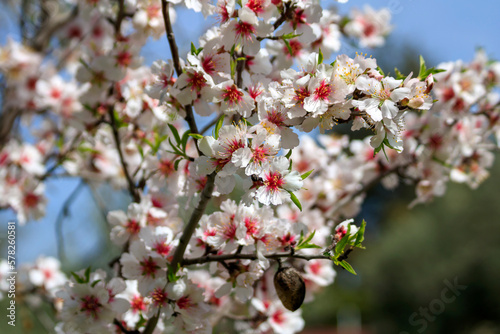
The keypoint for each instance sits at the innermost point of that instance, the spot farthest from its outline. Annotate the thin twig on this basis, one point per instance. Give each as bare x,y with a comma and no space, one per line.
205,197
64,212
209,125
236,256
123,329
131,186
344,201
177,64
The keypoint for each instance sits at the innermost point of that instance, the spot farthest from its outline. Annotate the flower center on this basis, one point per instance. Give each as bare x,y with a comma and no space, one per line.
274,181
232,94
244,30
149,267
323,91
91,306
159,297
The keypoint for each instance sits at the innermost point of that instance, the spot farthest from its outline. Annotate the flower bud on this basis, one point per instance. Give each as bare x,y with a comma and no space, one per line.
290,287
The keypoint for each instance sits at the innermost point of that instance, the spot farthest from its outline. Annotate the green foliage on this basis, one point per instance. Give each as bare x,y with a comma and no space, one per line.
295,200
305,243
424,71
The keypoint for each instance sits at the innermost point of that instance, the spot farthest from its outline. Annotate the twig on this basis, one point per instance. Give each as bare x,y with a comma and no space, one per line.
131,186
61,158
284,16
237,256
63,212
177,65
209,125
206,194
344,201
119,17
123,329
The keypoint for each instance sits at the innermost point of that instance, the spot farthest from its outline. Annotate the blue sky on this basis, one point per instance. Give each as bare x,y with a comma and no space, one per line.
448,30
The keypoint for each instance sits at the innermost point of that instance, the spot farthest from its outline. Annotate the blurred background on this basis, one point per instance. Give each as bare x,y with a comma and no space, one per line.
412,256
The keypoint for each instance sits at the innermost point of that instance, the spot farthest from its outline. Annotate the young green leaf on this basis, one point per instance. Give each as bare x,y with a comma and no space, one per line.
196,136
306,174
290,50
175,133
339,247
347,267
295,200
360,236
184,139
77,278
320,56
218,125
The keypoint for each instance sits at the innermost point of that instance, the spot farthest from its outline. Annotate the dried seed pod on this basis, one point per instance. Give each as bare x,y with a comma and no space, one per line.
290,287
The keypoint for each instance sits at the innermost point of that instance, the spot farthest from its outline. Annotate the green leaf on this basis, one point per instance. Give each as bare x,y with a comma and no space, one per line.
347,267
295,200
380,70
320,56
399,75
184,139
175,133
172,273
176,164
423,68
218,125
291,35
176,150
301,239
339,247
196,136
246,121
288,154
360,236
290,51
141,151
307,246
306,174
424,71
304,243
310,237
94,283
141,322
193,49
87,274
77,278
377,149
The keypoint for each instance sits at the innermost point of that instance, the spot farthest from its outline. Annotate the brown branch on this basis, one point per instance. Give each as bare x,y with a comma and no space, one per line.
206,194
177,259
122,328
239,256
64,212
177,64
7,120
131,185
344,201
209,125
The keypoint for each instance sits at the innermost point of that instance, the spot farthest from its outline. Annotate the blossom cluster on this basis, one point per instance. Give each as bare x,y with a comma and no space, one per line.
89,108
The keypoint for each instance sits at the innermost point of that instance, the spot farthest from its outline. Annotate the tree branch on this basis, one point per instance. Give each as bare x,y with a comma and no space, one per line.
206,194
239,256
344,201
177,64
63,213
131,186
